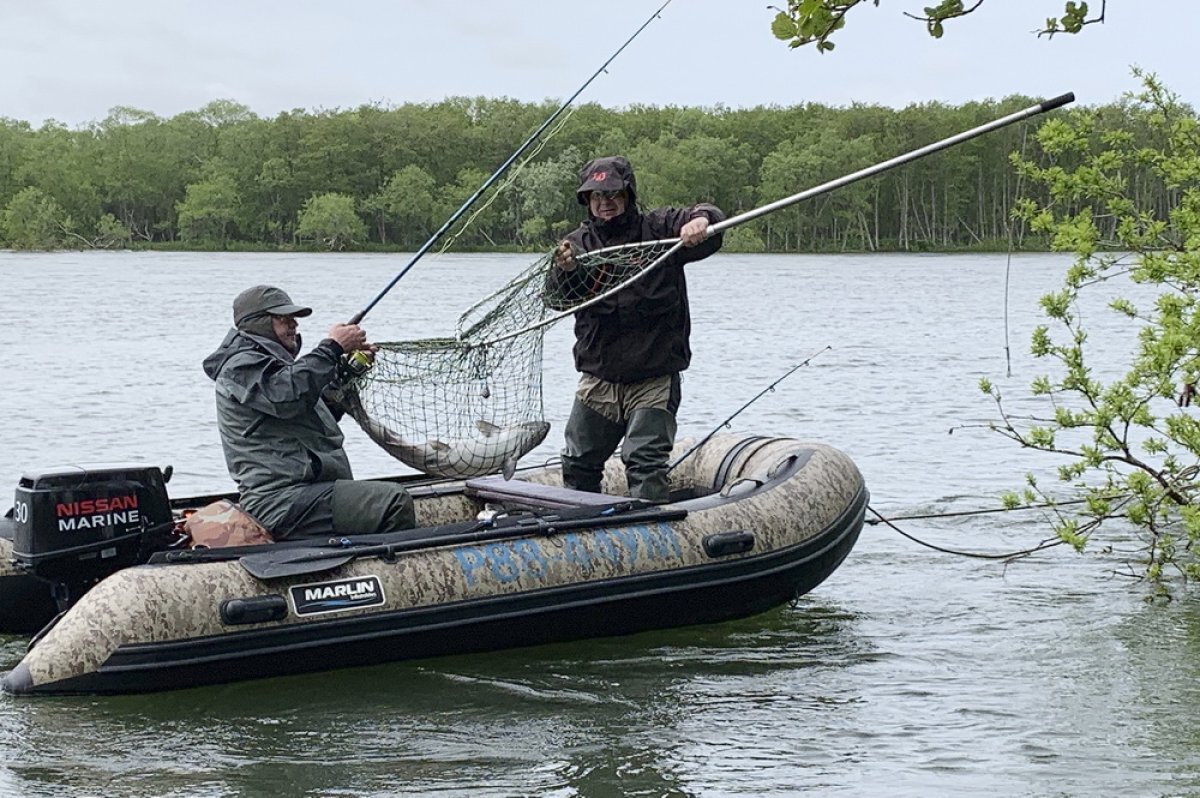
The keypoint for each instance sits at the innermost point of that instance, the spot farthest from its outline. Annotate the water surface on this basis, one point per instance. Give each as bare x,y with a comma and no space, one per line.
908,672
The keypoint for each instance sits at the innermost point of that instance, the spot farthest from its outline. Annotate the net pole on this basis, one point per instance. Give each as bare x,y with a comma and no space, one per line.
358,317
824,188
899,160
869,171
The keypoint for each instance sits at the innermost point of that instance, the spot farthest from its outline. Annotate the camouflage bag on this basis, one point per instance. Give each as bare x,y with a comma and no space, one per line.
222,524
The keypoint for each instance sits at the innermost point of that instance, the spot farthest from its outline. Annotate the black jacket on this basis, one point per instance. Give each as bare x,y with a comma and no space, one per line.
643,330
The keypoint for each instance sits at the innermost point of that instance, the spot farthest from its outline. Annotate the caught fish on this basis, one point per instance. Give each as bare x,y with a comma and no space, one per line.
494,449
489,449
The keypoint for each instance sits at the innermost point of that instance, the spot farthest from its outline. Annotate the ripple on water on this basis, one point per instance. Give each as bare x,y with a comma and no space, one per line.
909,672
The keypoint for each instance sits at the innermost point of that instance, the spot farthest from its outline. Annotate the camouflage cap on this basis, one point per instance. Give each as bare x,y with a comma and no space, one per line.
263,299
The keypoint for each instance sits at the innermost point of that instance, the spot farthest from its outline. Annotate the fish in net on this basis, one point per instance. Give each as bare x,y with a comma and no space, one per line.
471,405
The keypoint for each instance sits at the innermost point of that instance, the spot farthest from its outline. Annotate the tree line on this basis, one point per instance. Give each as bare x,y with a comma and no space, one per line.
222,177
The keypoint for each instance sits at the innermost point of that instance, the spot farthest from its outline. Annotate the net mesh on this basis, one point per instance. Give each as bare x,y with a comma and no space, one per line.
472,405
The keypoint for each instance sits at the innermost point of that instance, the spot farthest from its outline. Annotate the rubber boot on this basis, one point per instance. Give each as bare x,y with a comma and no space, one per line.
590,441
649,436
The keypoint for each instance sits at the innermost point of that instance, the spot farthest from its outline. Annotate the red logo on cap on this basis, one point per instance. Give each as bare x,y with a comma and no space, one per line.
599,176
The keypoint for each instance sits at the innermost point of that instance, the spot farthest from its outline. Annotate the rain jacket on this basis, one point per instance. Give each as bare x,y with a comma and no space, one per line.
644,330
278,433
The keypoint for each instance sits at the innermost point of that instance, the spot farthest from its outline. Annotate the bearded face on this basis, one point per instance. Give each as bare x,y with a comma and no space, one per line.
284,328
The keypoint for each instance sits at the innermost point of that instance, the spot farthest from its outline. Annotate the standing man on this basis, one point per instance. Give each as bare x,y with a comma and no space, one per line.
630,347
279,428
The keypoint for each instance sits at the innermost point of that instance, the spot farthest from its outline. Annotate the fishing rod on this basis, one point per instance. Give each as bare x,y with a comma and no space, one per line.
739,411
824,188
358,317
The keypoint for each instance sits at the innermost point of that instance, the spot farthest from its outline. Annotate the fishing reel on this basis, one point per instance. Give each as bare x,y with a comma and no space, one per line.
356,363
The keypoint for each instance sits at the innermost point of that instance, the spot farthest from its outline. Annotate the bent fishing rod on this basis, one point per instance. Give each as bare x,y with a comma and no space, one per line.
433,239
741,409
816,191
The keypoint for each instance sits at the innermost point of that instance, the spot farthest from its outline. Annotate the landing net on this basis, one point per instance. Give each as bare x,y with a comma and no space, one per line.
472,404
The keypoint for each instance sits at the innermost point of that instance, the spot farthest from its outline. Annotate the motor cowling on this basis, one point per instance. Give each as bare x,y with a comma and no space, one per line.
73,526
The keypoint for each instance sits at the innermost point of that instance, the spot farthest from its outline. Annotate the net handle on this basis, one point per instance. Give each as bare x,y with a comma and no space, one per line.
899,160
869,171
358,317
824,188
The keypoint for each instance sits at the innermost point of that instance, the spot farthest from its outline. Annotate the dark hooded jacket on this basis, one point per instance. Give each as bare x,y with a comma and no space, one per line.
643,330
277,431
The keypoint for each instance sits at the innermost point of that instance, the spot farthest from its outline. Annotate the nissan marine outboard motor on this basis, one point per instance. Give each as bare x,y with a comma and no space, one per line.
74,525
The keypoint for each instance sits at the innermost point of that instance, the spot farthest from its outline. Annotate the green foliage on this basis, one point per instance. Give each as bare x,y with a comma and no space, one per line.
331,221
405,205
33,220
1122,198
111,233
220,177
743,239
815,21
209,209
543,192
819,156
535,229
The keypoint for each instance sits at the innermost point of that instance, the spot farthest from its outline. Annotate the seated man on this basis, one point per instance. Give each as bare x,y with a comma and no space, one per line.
279,430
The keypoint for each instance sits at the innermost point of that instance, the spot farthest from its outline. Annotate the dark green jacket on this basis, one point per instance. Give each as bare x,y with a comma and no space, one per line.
278,433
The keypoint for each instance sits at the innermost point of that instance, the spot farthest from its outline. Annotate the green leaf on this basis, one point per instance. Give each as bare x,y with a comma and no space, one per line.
784,27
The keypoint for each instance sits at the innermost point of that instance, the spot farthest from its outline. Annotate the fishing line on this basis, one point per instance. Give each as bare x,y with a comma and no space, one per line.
358,317
1008,264
452,239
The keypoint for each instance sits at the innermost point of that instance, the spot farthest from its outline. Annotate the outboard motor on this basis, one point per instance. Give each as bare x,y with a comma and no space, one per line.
74,526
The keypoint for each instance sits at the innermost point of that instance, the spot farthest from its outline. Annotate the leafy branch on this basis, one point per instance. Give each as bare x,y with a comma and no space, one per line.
1133,454
805,22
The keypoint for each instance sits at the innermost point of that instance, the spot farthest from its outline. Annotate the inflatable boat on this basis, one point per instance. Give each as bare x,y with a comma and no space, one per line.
138,603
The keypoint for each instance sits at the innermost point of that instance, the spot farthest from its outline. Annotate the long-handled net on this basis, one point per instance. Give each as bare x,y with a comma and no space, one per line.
472,404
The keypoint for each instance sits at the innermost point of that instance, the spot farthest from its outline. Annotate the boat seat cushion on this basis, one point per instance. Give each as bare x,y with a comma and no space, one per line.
532,494
222,524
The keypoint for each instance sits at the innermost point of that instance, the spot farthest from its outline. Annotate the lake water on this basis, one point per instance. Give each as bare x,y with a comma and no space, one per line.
910,672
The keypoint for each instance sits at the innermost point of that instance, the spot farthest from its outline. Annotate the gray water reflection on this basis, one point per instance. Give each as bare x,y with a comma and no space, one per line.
611,717
909,672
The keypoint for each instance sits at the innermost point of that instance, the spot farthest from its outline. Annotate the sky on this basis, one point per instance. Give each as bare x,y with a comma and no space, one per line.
73,60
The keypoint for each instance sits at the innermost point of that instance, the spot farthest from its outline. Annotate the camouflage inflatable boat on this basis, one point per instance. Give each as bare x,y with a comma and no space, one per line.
753,523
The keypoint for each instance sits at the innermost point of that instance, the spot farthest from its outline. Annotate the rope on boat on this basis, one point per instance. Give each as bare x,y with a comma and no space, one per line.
890,521
1012,555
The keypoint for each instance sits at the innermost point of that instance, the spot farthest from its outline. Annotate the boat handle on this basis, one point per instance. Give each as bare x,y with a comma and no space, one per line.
743,485
253,609
725,543
782,466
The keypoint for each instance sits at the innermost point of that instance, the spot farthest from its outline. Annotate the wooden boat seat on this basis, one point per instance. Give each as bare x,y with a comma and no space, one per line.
531,494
